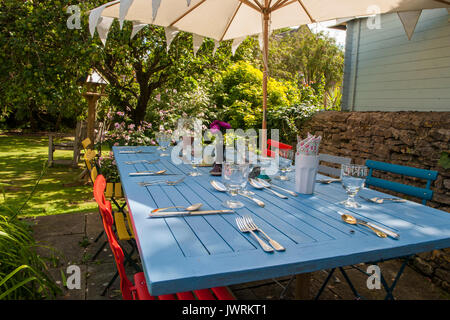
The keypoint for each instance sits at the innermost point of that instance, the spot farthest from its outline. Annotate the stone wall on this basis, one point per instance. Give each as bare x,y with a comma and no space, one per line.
415,139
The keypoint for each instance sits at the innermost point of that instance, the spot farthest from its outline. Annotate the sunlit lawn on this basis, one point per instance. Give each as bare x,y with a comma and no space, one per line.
21,162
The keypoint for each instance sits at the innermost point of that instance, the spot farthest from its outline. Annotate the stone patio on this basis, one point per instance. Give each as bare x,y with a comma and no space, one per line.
73,235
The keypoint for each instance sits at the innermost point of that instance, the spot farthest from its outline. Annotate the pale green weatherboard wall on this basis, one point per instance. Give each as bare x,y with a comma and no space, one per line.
384,71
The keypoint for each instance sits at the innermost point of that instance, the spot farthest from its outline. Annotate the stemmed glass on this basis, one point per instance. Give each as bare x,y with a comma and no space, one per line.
353,177
285,164
163,139
196,159
234,177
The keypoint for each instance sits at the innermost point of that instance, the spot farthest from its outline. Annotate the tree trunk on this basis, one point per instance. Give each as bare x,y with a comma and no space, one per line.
141,107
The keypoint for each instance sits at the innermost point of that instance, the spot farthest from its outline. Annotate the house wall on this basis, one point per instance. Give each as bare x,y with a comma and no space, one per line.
384,71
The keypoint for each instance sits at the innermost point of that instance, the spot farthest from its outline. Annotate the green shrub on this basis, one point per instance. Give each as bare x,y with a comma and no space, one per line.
239,95
23,272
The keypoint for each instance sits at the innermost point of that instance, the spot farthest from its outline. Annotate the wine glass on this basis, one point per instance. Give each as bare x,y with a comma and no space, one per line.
196,159
285,164
353,177
163,139
234,177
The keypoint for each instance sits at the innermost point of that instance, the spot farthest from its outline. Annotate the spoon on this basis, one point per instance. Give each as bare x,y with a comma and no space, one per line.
258,185
352,220
268,185
192,207
221,187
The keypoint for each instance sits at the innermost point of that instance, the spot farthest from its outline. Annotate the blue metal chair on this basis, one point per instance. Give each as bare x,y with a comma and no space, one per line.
422,193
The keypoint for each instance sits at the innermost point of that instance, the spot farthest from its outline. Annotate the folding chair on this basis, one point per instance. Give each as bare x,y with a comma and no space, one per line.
422,193
278,145
331,171
138,290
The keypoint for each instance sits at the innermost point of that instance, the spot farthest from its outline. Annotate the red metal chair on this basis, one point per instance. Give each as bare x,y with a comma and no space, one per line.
275,144
138,290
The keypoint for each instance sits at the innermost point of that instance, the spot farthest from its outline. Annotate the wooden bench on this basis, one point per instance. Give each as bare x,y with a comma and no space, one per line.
55,143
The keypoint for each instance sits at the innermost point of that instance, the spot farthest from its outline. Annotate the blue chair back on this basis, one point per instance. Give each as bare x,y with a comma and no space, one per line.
422,193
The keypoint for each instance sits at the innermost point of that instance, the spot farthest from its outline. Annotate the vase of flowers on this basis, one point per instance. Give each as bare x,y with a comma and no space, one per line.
218,129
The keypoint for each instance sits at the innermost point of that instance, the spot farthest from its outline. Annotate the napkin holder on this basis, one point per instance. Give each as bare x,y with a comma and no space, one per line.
305,173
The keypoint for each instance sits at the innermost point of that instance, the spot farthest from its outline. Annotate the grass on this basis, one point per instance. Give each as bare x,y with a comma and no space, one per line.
21,162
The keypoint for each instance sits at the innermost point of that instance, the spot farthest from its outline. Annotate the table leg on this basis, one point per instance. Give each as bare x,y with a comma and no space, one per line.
302,286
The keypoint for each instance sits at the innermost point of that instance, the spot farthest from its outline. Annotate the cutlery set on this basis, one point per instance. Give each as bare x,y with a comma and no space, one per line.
246,224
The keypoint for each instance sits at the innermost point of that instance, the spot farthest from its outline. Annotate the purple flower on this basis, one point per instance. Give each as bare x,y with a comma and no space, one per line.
216,126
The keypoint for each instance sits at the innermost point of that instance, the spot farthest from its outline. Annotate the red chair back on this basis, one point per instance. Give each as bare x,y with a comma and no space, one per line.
276,144
126,286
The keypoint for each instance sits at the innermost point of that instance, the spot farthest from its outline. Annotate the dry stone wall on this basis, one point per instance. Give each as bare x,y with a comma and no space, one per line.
416,139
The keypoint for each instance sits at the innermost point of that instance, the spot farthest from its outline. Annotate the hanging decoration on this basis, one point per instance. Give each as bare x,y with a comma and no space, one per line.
123,10
103,28
409,20
197,42
137,26
236,43
170,35
155,7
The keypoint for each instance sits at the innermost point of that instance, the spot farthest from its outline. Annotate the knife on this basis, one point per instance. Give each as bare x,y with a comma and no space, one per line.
144,173
187,213
387,231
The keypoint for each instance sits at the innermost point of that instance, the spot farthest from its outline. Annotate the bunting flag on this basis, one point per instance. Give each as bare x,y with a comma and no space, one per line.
170,35
236,43
155,7
124,7
94,16
188,2
409,20
137,26
197,41
103,28
216,46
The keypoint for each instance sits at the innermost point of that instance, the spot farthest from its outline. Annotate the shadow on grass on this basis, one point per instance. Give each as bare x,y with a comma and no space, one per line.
60,191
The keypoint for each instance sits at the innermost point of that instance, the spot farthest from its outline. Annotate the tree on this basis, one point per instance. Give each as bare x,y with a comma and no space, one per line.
306,58
40,63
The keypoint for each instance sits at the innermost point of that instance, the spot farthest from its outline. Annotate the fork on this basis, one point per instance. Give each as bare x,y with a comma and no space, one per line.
381,200
168,182
252,226
244,228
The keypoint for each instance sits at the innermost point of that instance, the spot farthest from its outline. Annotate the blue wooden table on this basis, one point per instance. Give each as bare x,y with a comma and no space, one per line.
186,253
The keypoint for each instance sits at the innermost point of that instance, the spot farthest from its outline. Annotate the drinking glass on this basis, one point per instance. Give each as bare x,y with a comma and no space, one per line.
195,161
234,177
353,177
285,164
163,139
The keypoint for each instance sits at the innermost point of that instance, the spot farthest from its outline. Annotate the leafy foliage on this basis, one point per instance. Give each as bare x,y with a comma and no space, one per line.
23,273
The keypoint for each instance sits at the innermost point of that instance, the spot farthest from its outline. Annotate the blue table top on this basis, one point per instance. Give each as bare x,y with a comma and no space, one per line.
187,253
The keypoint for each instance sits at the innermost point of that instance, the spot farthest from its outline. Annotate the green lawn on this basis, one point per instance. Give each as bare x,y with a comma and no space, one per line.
21,162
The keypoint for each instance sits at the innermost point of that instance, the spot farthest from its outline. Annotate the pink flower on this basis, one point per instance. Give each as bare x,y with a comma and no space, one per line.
116,125
116,144
120,113
158,97
153,142
131,126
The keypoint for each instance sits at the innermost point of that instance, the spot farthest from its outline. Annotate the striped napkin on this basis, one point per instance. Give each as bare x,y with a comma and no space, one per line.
308,146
